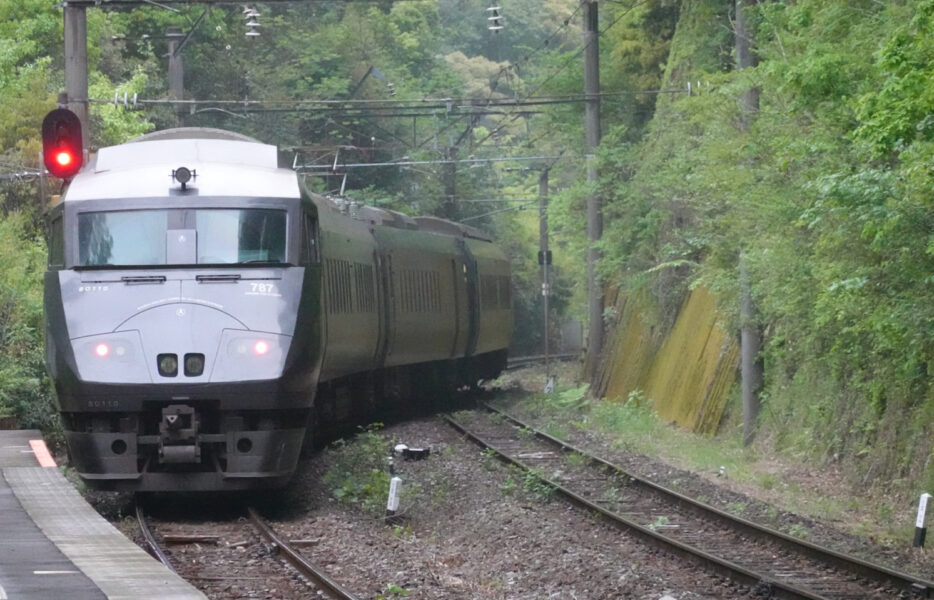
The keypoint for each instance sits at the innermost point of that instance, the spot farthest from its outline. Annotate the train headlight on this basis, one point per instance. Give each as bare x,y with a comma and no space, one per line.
194,365
242,347
183,175
247,355
168,365
111,358
117,350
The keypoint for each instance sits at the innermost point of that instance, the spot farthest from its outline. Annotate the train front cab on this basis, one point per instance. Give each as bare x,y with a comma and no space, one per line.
184,376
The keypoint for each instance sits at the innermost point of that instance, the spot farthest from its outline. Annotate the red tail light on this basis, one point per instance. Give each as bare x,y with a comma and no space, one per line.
260,348
102,350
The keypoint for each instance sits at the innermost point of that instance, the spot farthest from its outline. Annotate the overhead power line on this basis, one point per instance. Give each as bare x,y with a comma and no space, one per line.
412,163
25,176
166,4
567,63
501,210
528,57
449,104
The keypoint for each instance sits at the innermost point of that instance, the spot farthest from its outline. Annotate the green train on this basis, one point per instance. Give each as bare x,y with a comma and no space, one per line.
207,315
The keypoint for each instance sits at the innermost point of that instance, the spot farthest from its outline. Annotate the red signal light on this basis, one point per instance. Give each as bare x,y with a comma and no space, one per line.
63,159
62,144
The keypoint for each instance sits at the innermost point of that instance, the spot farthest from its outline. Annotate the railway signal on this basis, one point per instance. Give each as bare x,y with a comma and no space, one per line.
62,143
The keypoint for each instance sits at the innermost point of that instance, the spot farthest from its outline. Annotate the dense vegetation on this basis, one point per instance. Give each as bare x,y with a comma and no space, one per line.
826,195
825,192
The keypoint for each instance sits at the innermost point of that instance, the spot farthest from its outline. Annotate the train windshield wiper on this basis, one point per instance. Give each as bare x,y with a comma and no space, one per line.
142,279
261,261
218,278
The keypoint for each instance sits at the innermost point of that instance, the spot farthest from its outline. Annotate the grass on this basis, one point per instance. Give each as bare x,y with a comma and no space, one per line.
358,472
393,591
575,459
633,425
555,430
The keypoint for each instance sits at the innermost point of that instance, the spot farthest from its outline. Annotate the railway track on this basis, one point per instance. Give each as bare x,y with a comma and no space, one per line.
303,565
773,564
318,577
523,361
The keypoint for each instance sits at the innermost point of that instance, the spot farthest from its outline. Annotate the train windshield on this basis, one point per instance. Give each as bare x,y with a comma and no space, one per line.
181,237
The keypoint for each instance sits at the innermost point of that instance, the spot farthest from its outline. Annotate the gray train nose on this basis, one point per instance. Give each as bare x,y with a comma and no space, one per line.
181,330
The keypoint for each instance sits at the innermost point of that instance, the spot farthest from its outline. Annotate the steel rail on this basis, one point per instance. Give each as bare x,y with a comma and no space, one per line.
854,565
760,582
698,557
303,565
154,546
521,361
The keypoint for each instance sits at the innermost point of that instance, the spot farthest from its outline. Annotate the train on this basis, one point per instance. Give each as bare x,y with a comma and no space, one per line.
208,316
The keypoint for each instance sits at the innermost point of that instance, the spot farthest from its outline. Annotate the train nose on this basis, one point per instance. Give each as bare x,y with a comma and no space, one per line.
184,342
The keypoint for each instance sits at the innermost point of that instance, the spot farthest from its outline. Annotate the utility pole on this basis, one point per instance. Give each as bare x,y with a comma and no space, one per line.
76,64
174,36
544,260
449,209
594,204
746,57
750,344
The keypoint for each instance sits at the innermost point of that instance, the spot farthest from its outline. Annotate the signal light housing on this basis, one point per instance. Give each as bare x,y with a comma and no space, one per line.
62,143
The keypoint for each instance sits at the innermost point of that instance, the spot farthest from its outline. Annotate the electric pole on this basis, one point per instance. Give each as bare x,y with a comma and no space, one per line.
750,344
594,204
449,209
174,36
746,57
76,64
544,260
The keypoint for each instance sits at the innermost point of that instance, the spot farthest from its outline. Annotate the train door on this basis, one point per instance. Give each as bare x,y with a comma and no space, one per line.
472,304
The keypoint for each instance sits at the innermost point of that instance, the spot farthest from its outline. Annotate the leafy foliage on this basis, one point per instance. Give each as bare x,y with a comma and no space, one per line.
25,390
825,195
825,192
358,473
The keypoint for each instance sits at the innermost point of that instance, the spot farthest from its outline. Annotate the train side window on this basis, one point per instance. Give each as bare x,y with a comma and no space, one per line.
57,242
310,239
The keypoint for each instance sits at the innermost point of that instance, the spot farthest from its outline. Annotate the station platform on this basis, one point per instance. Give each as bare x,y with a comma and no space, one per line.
53,544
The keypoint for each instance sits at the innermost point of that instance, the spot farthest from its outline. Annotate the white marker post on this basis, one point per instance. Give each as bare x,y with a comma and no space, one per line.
920,529
395,488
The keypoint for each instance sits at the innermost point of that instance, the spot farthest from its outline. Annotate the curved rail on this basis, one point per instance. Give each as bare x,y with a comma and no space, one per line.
151,540
522,361
779,587
306,568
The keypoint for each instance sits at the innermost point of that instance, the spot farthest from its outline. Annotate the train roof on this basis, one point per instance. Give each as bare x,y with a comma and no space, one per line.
391,218
224,163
